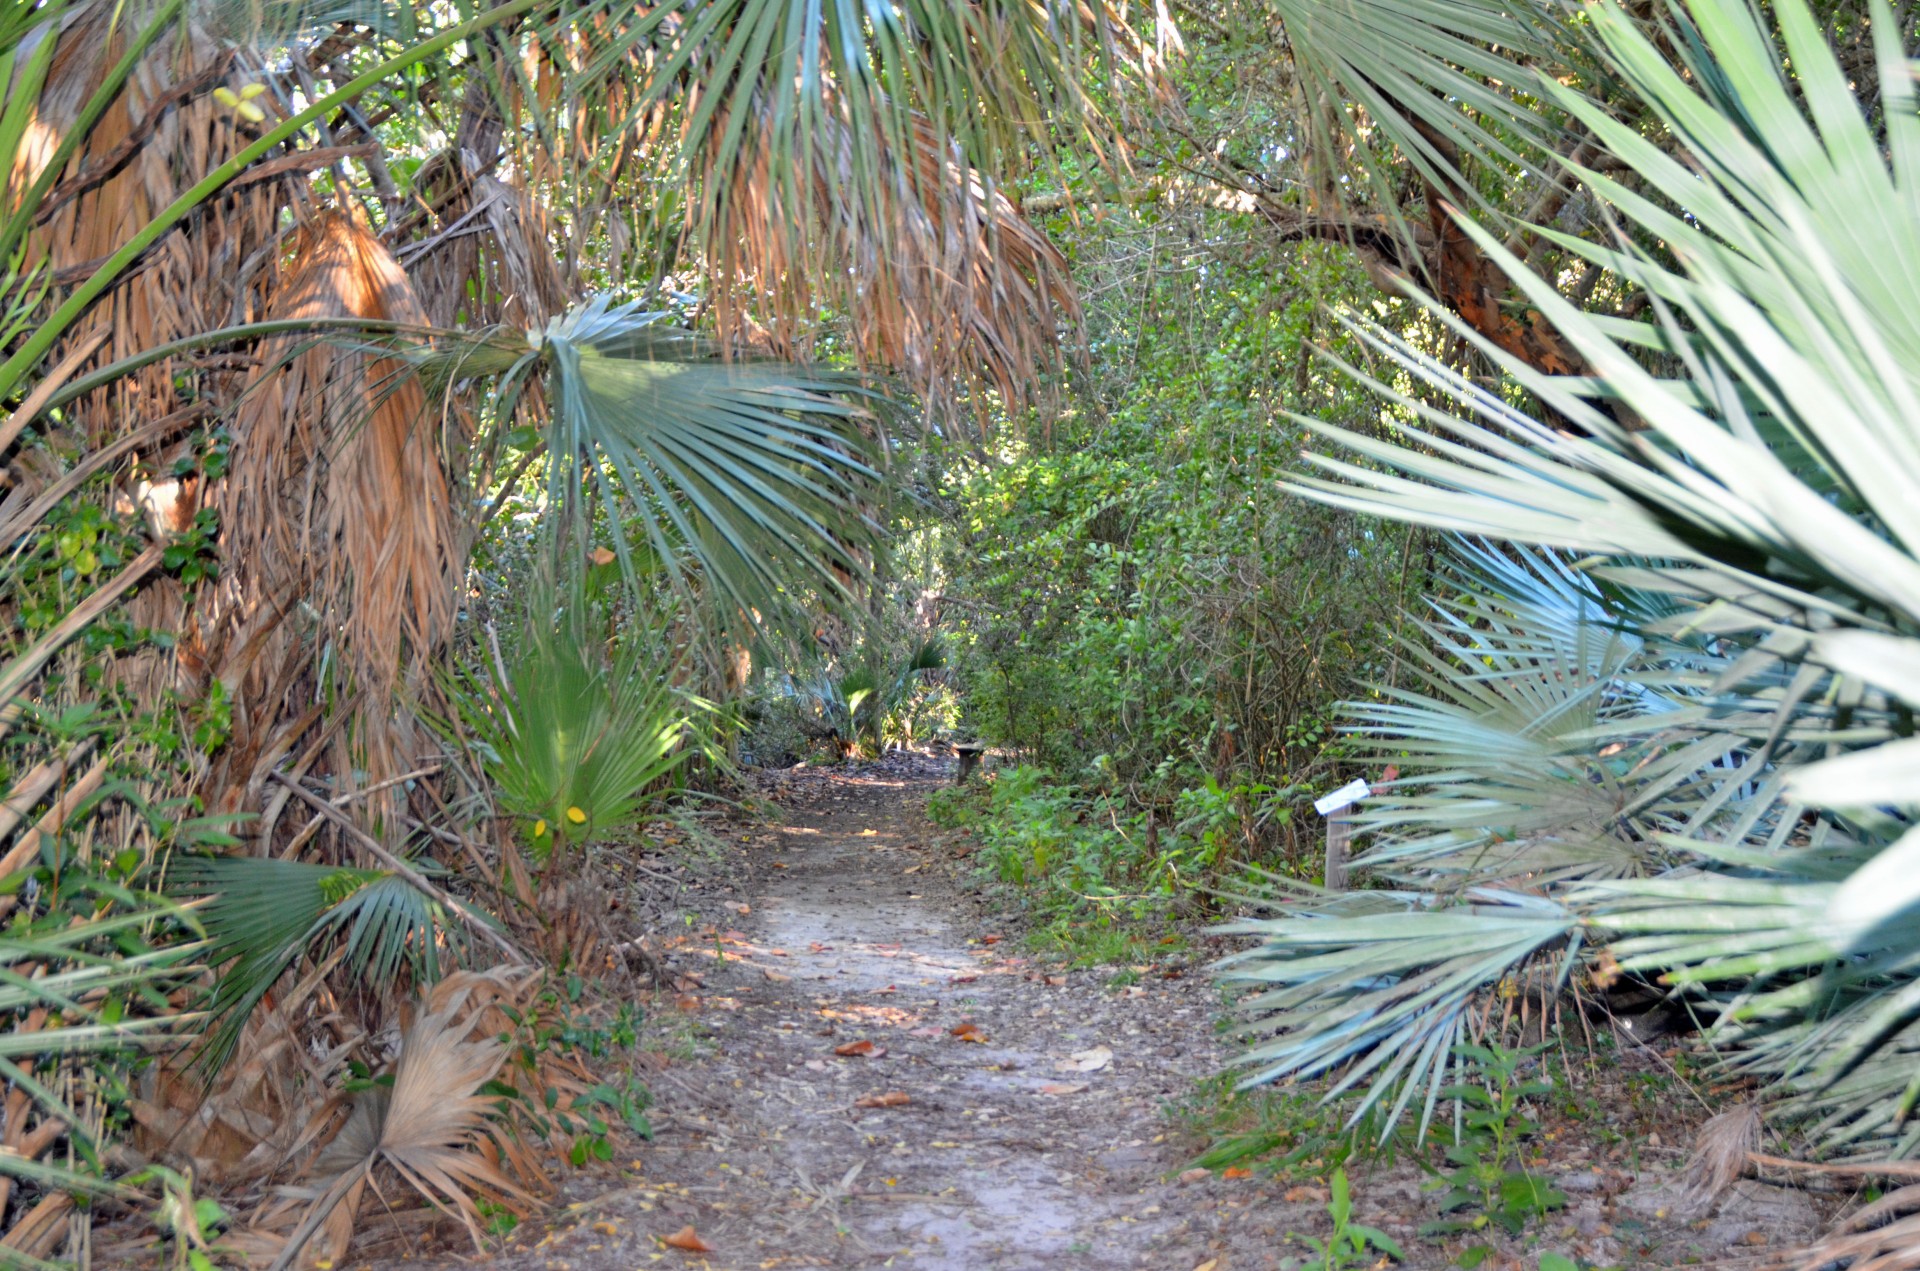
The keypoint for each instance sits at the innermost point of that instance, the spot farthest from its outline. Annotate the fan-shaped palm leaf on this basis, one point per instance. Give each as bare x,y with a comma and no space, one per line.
1377,987
426,1127
1769,501
1435,77
577,742
261,914
750,472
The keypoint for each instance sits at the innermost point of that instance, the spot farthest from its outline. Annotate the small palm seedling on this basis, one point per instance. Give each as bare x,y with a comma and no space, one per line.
577,742
856,704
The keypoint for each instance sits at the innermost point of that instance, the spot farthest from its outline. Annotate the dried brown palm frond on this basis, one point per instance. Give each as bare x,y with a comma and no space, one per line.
340,493
492,234
1881,1236
265,1108
1721,1152
822,168
431,1130
163,133
953,287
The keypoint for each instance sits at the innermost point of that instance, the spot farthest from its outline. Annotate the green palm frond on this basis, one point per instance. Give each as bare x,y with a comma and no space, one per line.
753,473
1378,987
261,914
91,989
578,741
1764,499
1527,740
1434,77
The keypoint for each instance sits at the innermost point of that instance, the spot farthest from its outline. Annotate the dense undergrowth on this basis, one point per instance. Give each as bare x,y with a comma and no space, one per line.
440,445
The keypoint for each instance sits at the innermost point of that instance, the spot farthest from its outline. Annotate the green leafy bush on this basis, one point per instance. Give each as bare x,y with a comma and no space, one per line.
1084,861
1493,1096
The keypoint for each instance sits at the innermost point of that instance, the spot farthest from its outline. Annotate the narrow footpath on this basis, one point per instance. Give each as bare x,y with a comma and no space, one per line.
875,1073
891,1083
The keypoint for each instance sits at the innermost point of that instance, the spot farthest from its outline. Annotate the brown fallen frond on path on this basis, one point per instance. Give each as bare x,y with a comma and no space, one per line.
1881,1236
1721,1152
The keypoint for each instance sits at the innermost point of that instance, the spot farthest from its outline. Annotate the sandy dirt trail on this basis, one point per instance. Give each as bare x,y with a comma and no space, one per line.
887,1079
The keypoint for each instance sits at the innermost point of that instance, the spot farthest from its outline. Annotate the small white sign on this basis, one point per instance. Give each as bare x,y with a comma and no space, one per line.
1352,792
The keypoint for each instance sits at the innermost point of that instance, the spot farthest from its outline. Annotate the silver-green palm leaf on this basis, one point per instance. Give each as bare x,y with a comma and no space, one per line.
1747,456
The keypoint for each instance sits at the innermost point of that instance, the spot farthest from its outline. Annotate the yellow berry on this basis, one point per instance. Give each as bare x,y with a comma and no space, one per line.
576,816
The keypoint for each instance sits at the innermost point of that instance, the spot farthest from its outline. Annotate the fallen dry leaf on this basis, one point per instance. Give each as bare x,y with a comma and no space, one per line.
963,979
1063,1087
1236,1171
891,1099
687,1238
1306,1195
991,939
1055,980
968,1031
861,1047
1086,1060
777,978
1211,1264
1195,1175
687,1002
741,908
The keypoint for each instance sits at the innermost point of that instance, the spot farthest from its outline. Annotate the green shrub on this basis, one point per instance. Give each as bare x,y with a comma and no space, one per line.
1096,876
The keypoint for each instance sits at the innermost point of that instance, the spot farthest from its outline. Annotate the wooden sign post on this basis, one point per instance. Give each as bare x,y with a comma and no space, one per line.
1337,808
1339,834
969,752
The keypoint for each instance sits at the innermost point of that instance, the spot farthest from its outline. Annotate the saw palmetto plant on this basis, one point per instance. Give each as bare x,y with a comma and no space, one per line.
578,742
1690,759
